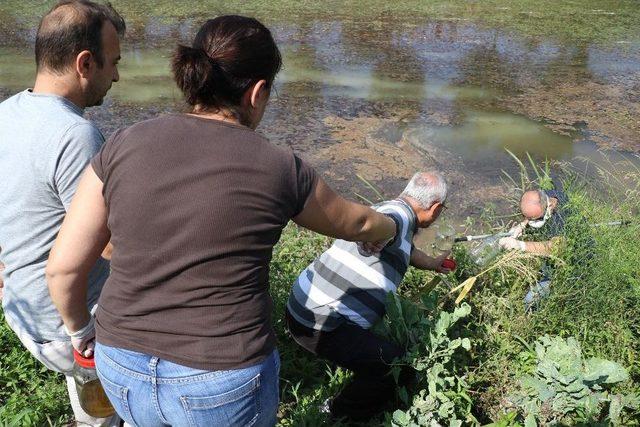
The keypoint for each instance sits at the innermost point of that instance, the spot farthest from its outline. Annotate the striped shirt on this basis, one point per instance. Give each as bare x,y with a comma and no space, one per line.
343,285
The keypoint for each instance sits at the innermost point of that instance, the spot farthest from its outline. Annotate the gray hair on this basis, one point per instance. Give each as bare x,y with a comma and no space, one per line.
426,188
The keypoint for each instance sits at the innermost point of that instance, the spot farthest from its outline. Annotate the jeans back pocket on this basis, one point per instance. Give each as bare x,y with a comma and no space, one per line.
119,397
239,407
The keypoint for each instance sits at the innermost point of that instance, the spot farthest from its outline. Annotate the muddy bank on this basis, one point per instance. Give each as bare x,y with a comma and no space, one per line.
369,140
385,92
606,114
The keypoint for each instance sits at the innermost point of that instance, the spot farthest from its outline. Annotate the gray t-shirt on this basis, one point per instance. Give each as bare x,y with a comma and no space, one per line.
45,145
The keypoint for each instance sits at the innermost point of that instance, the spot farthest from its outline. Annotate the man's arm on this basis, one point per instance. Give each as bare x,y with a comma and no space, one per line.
540,248
107,252
423,261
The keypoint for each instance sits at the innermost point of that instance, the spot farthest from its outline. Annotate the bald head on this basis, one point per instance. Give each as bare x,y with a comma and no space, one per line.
73,26
532,204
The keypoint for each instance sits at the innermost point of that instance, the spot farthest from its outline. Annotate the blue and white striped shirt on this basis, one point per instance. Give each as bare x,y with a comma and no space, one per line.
343,285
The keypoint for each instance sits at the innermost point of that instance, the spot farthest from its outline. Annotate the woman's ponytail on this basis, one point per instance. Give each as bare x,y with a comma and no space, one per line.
229,54
195,73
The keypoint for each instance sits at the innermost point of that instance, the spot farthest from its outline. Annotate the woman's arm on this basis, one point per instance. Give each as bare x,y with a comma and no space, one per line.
82,237
332,215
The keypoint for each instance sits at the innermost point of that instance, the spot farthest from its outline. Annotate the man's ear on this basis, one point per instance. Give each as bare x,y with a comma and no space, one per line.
427,216
435,209
85,63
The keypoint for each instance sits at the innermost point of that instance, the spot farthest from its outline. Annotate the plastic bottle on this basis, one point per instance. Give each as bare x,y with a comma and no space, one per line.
486,251
90,392
445,235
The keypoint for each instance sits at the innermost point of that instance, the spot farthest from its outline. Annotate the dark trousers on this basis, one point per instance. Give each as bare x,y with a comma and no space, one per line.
367,355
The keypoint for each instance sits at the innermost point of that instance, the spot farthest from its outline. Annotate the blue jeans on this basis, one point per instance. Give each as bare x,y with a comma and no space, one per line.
147,391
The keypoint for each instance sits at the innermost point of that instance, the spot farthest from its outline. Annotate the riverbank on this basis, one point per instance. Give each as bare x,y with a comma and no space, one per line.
384,90
595,299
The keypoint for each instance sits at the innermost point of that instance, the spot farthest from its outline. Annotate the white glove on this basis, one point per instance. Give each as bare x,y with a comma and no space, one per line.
84,340
517,230
511,243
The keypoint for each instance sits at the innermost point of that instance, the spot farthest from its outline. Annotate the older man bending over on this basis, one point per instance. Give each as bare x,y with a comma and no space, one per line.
336,299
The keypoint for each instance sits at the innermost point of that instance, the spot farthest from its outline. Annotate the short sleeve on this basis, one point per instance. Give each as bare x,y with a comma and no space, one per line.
405,223
402,219
305,181
101,161
79,144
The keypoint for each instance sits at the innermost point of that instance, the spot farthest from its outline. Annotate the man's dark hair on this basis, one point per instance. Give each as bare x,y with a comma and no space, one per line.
71,27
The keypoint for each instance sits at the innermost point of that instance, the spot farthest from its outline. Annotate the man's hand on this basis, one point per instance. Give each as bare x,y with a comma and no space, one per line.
447,266
372,248
423,261
511,243
84,340
443,270
517,230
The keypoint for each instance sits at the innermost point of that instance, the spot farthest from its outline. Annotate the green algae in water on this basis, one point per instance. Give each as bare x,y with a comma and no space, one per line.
482,134
607,21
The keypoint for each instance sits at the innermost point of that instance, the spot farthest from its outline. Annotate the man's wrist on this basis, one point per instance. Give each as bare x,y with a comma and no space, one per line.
522,245
80,333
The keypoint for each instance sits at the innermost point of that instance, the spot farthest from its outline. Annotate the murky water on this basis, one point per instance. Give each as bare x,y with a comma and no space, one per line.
378,93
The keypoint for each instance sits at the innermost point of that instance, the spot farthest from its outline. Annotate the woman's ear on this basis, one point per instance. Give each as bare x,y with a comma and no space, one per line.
258,93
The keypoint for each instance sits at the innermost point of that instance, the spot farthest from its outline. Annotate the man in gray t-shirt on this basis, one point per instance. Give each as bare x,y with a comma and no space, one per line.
45,145
39,171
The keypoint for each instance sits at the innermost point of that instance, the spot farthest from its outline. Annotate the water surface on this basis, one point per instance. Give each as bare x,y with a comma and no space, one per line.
380,90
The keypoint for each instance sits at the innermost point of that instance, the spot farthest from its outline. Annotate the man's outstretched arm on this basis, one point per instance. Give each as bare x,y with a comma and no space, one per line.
422,261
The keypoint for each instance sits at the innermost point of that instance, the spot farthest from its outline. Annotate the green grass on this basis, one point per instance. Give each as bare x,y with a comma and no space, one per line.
30,395
595,298
606,21
595,294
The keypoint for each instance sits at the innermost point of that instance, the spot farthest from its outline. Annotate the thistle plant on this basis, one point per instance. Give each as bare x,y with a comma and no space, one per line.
424,331
566,389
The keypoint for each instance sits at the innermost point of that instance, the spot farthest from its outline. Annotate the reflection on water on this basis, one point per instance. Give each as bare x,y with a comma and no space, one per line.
455,90
482,134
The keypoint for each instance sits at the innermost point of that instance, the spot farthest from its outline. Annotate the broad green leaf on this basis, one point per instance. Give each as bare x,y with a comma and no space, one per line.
466,344
604,371
400,418
455,344
530,421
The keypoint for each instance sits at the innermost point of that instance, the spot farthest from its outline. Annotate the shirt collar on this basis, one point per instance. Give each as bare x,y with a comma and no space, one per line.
76,109
412,214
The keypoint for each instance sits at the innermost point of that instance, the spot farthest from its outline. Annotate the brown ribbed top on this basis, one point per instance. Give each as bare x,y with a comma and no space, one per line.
195,207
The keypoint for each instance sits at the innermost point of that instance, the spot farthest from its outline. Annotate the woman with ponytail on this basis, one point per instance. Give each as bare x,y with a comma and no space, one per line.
193,204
